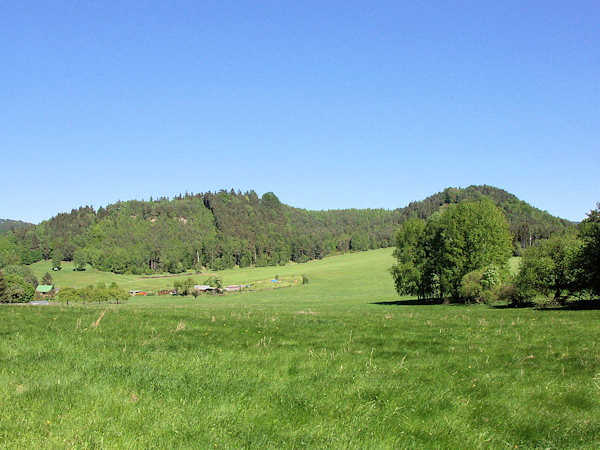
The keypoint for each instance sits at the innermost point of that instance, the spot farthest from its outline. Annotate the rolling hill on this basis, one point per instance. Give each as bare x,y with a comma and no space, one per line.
228,228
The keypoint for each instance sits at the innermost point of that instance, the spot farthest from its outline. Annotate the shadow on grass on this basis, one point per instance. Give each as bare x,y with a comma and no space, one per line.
413,302
576,305
516,306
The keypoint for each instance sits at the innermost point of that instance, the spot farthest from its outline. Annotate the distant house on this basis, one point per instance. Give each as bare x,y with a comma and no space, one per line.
203,288
45,289
233,288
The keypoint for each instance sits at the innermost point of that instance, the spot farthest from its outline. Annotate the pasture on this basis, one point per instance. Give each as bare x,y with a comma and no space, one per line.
339,362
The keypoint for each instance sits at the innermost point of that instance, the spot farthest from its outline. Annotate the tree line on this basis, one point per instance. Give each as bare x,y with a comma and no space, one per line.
225,229
18,285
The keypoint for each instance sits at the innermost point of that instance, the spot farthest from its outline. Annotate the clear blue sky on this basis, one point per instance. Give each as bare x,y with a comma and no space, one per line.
327,104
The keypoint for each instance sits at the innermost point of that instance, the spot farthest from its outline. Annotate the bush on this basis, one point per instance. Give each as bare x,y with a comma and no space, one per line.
480,286
508,292
471,288
68,295
47,279
24,272
184,287
215,282
99,294
304,279
17,290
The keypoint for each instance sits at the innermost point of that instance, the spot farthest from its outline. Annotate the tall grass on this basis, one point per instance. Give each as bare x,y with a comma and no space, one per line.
331,363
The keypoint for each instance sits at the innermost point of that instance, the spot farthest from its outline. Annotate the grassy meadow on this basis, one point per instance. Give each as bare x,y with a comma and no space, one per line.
339,362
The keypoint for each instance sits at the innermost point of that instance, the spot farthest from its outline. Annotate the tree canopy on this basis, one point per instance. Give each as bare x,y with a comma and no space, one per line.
434,256
224,229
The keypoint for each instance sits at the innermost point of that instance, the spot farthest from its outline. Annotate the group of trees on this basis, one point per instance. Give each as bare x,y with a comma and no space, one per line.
434,256
227,228
14,289
461,252
17,284
215,230
101,293
563,266
186,286
526,223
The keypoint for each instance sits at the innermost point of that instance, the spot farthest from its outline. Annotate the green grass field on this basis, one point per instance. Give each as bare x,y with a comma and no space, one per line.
339,362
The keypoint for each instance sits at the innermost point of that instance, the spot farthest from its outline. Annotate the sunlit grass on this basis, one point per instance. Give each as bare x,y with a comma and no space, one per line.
315,365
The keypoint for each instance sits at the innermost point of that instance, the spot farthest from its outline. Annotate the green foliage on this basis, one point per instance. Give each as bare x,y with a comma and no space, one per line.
79,259
589,262
2,286
482,286
526,223
184,286
507,292
214,281
304,279
433,257
17,290
47,279
223,230
117,294
550,269
412,274
471,288
57,259
24,272
68,295
7,225
99,294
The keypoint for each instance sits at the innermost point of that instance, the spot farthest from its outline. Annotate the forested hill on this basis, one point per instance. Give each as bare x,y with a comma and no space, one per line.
224,229
527,224
8,224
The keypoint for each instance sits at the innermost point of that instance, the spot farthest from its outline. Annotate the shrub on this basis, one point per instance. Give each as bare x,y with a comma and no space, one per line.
24,272
68,295
508,292
17,290
304,279
215,282
471,288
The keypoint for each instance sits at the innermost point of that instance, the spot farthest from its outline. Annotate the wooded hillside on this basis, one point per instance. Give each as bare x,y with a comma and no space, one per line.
228,228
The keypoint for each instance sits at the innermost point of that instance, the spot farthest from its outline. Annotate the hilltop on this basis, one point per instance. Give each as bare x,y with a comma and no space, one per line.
8,224
228,228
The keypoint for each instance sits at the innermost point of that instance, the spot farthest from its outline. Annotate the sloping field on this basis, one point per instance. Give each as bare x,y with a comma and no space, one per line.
323,364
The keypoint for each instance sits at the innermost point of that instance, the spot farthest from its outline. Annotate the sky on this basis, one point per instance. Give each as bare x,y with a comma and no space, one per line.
349,104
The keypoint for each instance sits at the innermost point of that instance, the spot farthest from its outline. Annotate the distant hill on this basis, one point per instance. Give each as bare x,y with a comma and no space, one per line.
526,222
227,228
7,224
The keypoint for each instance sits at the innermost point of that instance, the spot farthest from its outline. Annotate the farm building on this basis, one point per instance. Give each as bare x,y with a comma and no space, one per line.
45,289
203,288
233,288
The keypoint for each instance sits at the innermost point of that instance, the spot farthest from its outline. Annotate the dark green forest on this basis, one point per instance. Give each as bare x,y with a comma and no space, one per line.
7,225
228,228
